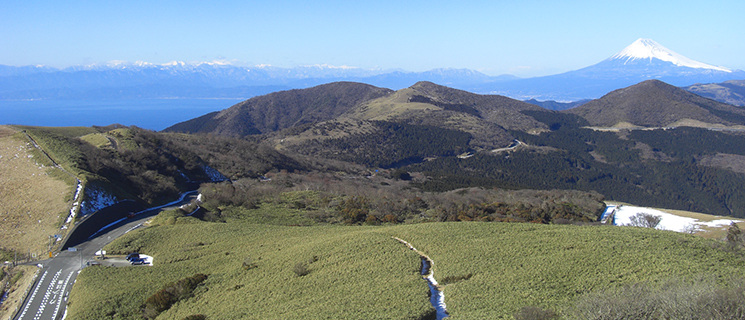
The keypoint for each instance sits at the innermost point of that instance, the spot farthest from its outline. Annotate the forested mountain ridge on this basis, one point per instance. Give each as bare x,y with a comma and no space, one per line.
457,139
314,113
654,103
281,110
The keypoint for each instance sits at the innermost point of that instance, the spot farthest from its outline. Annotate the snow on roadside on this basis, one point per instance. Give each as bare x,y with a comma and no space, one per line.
669,221
76,203
96,199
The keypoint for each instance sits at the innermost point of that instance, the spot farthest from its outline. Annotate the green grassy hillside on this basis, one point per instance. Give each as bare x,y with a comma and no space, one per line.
488,270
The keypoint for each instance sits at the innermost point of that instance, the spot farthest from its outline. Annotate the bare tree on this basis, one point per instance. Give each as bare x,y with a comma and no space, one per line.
645,220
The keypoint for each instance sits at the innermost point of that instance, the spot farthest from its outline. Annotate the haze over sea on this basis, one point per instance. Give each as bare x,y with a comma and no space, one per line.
153,114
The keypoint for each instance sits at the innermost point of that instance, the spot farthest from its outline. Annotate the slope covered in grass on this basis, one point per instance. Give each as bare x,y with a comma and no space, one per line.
35,199
488,270
357,273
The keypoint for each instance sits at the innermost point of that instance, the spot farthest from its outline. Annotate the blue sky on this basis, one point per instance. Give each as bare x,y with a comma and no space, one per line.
524,38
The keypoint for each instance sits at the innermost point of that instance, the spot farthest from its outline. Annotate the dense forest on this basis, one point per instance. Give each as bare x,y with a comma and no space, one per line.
644,167
390,145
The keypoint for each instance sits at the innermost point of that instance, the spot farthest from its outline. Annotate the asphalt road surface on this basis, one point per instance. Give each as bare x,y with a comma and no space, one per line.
48,298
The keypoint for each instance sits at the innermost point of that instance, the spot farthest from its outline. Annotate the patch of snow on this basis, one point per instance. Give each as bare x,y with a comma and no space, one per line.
77,192
96,199
174,63
719,223
76,205
649,49
437,298
184,176
669,221
328,66
214,174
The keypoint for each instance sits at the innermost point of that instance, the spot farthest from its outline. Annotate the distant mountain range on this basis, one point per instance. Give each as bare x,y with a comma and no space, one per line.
642,60
204,80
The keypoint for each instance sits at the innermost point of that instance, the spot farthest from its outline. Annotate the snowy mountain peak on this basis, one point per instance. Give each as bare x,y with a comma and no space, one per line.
174,63
649,49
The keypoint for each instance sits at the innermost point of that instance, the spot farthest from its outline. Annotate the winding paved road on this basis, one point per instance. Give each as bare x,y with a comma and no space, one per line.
48,298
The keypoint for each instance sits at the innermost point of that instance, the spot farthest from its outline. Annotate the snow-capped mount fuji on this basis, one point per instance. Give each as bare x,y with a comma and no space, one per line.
648,49
643,60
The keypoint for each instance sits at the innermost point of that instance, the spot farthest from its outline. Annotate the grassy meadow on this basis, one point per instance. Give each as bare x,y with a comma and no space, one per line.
488,270
353,272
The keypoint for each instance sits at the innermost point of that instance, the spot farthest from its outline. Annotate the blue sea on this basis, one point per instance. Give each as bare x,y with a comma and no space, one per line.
153,114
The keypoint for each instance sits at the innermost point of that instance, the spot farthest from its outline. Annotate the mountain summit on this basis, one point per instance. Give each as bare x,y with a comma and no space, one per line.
649,49
643,60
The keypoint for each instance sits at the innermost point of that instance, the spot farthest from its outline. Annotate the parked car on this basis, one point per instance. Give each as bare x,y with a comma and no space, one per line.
133,255
138,262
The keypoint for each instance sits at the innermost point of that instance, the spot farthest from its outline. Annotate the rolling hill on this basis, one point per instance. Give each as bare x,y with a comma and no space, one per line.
654,103
731,92
281,110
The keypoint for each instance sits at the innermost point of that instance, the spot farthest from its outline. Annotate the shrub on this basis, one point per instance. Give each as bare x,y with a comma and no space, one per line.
735,238
170,294
645,220
535,313
354,209
454,279
301,269
673,299
17,276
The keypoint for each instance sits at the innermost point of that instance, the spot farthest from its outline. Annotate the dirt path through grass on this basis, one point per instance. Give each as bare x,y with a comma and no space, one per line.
438,297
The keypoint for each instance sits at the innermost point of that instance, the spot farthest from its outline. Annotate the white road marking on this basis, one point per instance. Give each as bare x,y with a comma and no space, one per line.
33,295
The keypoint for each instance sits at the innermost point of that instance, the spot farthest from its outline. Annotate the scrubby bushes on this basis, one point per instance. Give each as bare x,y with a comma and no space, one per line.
645,220
674,299
535,313
735,238
375,200
303,268
170,294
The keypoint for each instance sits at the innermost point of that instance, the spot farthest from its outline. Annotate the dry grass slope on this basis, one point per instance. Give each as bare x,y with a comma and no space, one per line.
33,202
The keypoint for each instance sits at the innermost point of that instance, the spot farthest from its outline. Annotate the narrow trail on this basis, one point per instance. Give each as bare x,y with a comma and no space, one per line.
437,297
